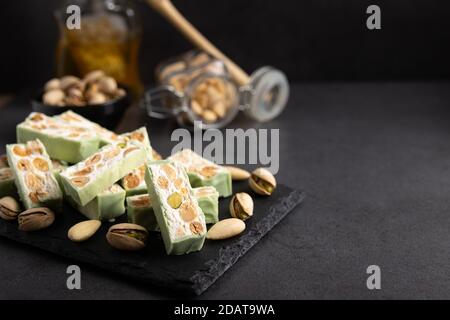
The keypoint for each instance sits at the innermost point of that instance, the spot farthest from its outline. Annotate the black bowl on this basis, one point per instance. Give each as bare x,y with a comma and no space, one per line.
106,114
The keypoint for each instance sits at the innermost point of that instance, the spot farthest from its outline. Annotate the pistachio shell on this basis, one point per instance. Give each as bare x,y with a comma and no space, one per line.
83,230
97,98
107,85
127,236
226,229
9,208
93,76
262,182
3,161
67,82
241,206
53,97
35,219
52,84
237,173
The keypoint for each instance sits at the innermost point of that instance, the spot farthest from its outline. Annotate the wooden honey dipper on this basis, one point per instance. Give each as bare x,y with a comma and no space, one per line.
268,87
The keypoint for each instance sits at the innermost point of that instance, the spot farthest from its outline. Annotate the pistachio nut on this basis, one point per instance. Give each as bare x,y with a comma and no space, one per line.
3,161
52,84
83,230
93,76
9,208
97,98
53,97
127,236
226,229
241,206
237,173
35,219
67,82
107,85
262,182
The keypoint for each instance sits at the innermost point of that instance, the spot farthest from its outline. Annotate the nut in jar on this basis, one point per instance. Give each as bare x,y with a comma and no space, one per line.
197,89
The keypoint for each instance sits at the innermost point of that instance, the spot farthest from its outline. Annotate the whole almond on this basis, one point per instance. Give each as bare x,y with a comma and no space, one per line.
226,229
237,173
83,230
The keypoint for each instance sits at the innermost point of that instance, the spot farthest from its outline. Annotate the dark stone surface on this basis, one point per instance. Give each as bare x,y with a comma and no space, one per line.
187,274
374,160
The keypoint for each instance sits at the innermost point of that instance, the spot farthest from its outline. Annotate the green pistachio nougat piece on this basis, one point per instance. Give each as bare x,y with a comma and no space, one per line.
62,141
58,167
85,180
134,182
140,211
107,205
71,118
179,217
208,200
203,172
33,175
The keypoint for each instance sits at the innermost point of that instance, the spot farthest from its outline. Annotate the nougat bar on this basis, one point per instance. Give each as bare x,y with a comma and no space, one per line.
180,219
140,211
203,172
134,182
107,205
58,167
63,141
73,119
85,180
33,175
208,200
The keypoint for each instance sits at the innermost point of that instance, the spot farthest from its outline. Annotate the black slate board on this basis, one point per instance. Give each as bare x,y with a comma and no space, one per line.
192,273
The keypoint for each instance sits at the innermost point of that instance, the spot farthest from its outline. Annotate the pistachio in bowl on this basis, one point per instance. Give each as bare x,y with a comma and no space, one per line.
96,96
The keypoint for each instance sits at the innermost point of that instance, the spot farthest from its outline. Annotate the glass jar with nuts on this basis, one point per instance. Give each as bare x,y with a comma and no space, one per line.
194,87
197,88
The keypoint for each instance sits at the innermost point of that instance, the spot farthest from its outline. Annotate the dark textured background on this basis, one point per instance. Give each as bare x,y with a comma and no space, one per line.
373,157
308,39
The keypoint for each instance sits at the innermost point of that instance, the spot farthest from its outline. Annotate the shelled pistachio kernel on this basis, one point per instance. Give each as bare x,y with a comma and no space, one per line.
83,230
127,236
9,208
174,200
35,219
241,206
262,182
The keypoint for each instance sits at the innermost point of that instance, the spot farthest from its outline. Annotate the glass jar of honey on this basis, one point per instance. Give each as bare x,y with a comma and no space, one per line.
108,39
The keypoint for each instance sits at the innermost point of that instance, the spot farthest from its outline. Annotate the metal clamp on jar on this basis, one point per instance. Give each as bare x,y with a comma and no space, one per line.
262,96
